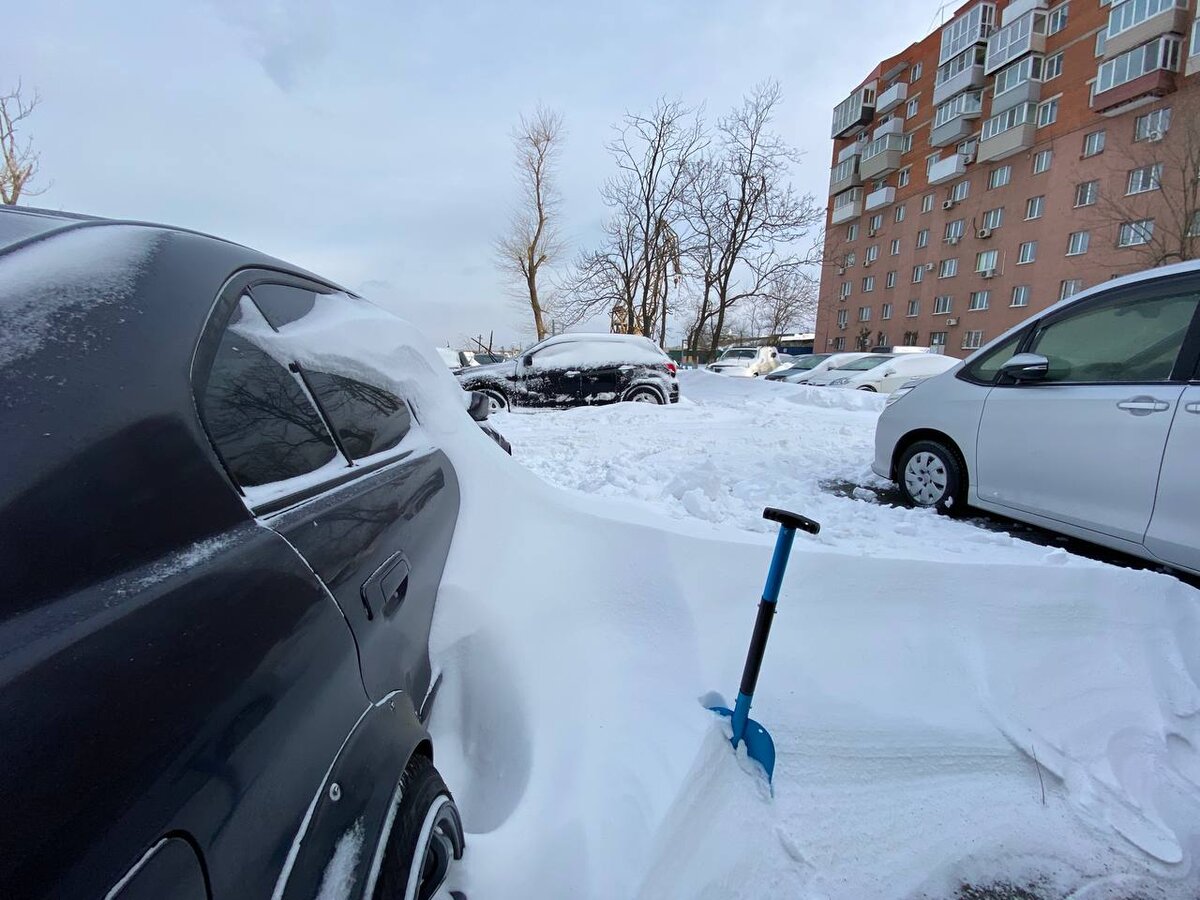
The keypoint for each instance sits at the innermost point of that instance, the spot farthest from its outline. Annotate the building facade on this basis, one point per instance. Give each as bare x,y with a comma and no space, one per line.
1020,153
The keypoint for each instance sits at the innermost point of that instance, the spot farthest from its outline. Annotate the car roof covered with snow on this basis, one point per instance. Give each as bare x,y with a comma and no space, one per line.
594,336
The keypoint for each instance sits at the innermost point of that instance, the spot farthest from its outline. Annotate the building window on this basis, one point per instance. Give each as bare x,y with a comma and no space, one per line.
918,274
1034,207
1152,125
972,340
852,231
1042,160
993,218
1087,193
999,177
959,192
839,343
1069,288
1047,113
1194,227
1020,295
885,312
864,314
1160,54
911,108
937,340
955,231
890,280
915,74
1053,67
923,238
876,222
843,318
899,215
979,300
868,284
986,260
948,268
895,247
1134,234
1093,142
927,203
902,180
872,253
1101,41
942,304
1077,243
914,307
1027,253
845,290
1057,20
1147,178
905,146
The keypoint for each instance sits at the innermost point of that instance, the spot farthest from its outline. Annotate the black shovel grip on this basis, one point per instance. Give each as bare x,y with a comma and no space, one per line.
791,520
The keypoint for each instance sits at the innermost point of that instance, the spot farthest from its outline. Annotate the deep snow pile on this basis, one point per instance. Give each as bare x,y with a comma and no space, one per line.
908,687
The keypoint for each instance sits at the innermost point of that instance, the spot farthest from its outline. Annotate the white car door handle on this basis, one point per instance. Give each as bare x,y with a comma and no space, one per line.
1143,405
1193,408
572,373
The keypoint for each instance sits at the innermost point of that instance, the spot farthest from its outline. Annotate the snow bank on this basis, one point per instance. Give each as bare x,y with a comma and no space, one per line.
916,666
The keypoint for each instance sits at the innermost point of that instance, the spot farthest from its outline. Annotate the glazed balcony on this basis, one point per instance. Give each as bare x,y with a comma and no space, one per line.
1024,35
1135,22
963,73
1007,133
955,121
892,97
881,156
844,175
948,169
1139,92
1019,83
1139,76
885,196
855,111
847,206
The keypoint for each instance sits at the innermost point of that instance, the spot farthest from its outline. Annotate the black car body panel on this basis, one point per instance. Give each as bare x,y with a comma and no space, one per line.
174,672
570,383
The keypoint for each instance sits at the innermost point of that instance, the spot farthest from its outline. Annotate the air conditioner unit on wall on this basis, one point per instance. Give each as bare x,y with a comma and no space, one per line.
871,232
953,240
988,273
947,204
1154,137
983,233
841,270
928,267
952,322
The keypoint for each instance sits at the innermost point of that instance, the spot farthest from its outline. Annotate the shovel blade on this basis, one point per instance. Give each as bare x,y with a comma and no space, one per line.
759,745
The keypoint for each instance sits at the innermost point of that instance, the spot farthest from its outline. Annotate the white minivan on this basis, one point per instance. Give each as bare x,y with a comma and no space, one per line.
1084,419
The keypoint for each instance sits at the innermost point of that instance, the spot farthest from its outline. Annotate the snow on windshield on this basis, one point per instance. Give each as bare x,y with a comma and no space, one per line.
47,285
597,353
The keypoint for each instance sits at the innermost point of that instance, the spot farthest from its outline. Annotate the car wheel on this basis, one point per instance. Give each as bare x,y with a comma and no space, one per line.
931,474
644,395
497,402
867,387
426,837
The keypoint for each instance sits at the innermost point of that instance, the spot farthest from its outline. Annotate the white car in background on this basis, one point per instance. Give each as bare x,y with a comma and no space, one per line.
893,373
747,362
825,362
1084,419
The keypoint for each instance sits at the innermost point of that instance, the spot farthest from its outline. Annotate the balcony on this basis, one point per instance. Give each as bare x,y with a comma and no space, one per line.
1135,22
954,121
957,77
1025,35
844,175
1007,133
1132,94
1018,8
1193,60
881,156
1028,91
846,206
971,27
893,125
885,196
947,169
892,97
855,111
1138,76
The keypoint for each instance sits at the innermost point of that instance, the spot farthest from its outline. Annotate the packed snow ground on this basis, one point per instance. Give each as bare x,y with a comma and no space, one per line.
925,681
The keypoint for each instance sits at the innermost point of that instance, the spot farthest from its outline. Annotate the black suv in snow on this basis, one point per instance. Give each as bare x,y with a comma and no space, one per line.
220,565
578,370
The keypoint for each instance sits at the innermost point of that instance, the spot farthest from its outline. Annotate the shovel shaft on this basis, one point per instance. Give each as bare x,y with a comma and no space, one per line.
758,646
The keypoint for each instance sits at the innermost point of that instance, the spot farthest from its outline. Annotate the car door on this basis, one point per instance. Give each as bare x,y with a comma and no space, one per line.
1084,445
602,382
1174,532
375,523
550,377
896,372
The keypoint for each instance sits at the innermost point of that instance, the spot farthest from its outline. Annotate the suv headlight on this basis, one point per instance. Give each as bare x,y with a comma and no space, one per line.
839,381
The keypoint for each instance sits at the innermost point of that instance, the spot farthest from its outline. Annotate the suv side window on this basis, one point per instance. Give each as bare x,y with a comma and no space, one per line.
1118,340
264,426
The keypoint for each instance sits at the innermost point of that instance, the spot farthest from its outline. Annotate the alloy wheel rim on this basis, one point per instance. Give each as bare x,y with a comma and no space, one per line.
926,478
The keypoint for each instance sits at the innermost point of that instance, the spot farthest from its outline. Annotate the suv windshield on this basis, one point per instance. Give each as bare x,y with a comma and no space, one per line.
810,362
739,353
861,365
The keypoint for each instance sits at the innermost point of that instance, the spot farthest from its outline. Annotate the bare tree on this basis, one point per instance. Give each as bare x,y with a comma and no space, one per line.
744,215
532,240
1168,189
20,160
787,303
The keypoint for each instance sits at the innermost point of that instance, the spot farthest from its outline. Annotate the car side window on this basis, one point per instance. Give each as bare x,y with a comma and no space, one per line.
283,304
367,419
987,367
1119,340
262,422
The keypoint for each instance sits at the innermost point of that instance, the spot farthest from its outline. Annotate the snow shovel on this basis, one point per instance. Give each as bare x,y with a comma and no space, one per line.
759,745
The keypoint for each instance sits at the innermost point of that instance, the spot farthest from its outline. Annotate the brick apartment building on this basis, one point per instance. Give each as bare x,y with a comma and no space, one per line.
1018,154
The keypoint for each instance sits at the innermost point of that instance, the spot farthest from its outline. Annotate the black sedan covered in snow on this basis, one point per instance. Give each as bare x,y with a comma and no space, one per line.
221,546
578,370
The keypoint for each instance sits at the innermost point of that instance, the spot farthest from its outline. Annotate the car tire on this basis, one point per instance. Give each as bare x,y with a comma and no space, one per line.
498,401
426,836
932,475
644,395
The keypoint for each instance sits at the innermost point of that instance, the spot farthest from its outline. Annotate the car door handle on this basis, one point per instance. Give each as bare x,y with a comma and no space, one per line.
625,368
572,373
1193,408
1141,406
387,587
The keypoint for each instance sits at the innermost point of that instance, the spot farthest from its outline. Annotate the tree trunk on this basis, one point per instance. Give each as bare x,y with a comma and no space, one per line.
538,322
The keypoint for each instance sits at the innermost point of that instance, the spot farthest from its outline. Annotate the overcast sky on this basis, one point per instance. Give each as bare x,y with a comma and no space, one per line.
369,141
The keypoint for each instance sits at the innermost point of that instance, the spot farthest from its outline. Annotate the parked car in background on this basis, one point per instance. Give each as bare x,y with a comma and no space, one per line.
746,361
797,365
827,362
848,370
578,370
223,535
481,358
886,377
1084,419
451,358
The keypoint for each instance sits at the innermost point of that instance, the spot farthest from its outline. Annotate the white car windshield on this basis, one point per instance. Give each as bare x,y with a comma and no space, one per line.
739,353
810,362
861,365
